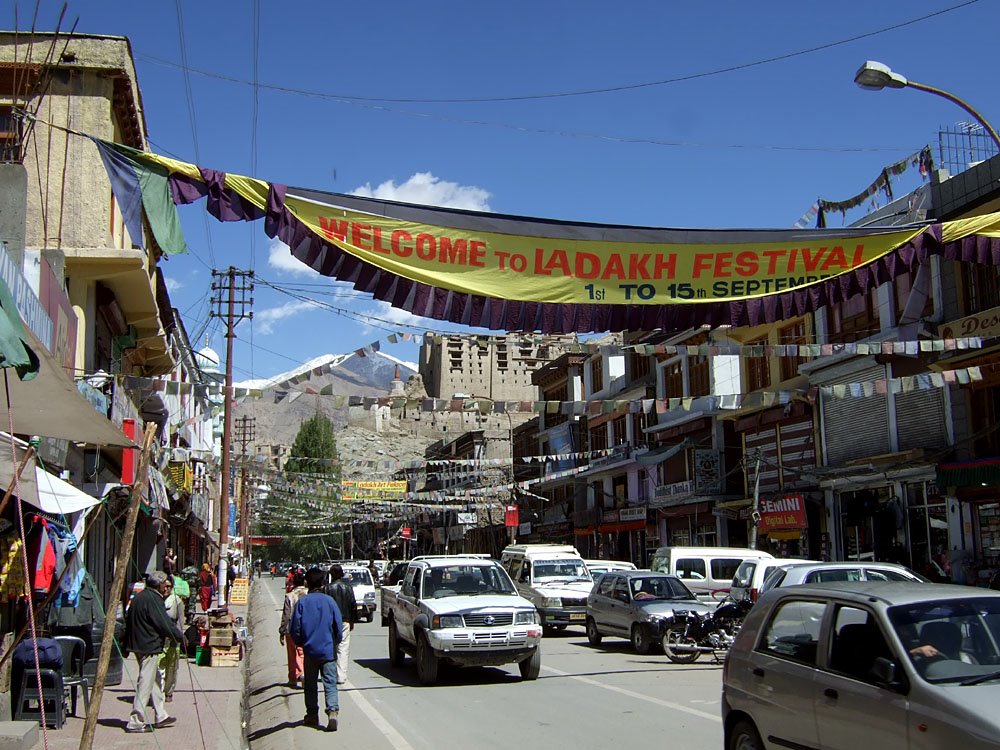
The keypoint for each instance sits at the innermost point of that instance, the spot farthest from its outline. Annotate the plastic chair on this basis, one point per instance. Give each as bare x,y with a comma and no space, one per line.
74,652
53,694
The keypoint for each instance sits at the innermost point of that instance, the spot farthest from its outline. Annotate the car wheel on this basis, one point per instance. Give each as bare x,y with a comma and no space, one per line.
427,662
385,620
531,666
640,640
674,638
592,633
369,617
395,650
744,736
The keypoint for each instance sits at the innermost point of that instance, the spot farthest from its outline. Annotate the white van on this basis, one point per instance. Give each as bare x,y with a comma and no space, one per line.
707,571
554,578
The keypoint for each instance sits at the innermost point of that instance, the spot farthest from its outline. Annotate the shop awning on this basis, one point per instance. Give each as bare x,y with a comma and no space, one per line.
51,406
611,528
58,497
983,472
659,456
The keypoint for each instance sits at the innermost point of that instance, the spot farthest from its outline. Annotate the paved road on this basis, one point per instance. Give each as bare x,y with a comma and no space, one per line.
584,698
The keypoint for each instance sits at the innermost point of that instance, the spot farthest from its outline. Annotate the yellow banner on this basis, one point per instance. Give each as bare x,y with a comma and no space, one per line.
540,269
486,255
392,490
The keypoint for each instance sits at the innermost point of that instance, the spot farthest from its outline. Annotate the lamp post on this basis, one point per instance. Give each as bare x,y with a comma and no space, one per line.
875,76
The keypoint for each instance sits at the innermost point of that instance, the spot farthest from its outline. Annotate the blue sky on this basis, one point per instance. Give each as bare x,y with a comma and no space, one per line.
750,147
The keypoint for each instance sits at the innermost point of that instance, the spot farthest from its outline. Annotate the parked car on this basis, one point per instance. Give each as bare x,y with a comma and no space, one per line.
707,571
637,605
596,567
828,572
751,574
861,664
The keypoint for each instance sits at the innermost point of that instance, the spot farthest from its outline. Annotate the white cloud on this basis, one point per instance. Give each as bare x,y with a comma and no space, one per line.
280,258
426,189
265,319
173,284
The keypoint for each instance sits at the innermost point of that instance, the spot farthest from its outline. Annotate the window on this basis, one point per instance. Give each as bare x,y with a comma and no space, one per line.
673,380
621,589
10,136
699,377
725,568
596,375
872,574
856,643
599,438
792,334
758,368
793,632
827,576
606,585
620,430
980,286
854,318
639,365
691,568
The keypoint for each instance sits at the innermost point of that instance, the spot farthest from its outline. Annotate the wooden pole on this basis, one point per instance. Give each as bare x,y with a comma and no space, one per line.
28,455
117,585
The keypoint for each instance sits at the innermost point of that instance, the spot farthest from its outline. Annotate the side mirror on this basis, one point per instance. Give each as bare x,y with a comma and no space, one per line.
886,674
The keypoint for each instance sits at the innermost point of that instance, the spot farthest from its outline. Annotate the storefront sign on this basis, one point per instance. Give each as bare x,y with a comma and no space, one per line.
707,472
510,517
524,529
632,514
240,592
668,493
393,490
984,324
25,300
467,519
726,513
609,516
405,532
786,512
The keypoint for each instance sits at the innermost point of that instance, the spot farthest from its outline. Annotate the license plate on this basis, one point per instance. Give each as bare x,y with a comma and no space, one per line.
578,616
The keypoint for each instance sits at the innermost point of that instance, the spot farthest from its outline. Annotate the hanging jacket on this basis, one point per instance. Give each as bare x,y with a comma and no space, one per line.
42,559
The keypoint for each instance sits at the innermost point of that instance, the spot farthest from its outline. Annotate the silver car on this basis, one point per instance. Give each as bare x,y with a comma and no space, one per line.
866,664
828,572
637,604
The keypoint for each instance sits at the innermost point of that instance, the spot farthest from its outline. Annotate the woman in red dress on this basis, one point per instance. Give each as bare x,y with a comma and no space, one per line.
206,586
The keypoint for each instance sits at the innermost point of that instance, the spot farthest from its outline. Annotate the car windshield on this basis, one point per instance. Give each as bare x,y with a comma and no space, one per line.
658,588
955,640
466,580
569,570
359,577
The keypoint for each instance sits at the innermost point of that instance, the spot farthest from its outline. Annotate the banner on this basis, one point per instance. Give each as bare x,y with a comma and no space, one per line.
511,259
391,490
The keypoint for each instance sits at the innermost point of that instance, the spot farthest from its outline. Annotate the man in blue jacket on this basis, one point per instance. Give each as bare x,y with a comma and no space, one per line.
317,627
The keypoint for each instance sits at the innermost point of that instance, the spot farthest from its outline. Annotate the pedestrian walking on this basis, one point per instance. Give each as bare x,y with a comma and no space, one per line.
170,562
206,586
341,591
146,627
317,627
169,659
292,649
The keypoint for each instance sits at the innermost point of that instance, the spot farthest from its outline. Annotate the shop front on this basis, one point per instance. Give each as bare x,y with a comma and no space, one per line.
974,486
621,535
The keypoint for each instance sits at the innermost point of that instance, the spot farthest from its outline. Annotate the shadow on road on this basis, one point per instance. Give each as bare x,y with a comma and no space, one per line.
258,734
406,675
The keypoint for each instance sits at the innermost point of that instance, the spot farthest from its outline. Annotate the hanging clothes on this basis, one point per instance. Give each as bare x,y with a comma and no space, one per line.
13,582
41,557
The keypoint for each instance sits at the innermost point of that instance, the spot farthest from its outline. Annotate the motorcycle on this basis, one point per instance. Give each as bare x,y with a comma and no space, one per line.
690,633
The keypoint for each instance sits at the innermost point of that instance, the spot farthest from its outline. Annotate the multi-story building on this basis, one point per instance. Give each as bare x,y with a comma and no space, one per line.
94,298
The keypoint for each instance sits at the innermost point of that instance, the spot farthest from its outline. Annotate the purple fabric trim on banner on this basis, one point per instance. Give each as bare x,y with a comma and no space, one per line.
510,315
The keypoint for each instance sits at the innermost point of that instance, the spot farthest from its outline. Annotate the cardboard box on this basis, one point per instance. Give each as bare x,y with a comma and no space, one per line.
221,637
225,657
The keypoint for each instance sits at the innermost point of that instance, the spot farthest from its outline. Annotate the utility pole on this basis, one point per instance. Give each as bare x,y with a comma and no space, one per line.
245,433
238,286
755,508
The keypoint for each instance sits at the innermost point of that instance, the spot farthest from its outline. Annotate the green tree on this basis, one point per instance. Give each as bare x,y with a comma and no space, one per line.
315,444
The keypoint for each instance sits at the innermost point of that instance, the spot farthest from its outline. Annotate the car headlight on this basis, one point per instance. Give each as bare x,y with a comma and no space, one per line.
551,602
526,618
370,597
447,621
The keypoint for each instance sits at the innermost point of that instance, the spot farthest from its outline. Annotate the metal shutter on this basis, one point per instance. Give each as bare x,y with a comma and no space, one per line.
856,427
920,419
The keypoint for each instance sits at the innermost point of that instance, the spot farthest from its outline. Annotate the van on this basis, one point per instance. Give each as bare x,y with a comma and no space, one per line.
554,578
750,576
707,571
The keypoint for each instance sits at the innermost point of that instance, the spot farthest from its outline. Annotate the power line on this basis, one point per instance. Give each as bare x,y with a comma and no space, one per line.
586,91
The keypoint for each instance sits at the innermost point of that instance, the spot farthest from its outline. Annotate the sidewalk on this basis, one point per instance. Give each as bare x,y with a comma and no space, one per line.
208,704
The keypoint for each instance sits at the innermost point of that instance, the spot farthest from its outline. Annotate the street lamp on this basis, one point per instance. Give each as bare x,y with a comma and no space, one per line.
875,76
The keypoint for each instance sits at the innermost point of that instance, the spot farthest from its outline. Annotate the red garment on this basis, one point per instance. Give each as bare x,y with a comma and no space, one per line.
205,594
43,555
296,659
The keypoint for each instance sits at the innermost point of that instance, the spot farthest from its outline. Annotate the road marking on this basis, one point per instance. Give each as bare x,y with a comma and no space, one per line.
640,696
268,590
388,730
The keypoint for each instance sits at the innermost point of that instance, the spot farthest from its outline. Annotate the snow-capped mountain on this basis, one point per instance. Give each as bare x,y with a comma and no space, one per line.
374,371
